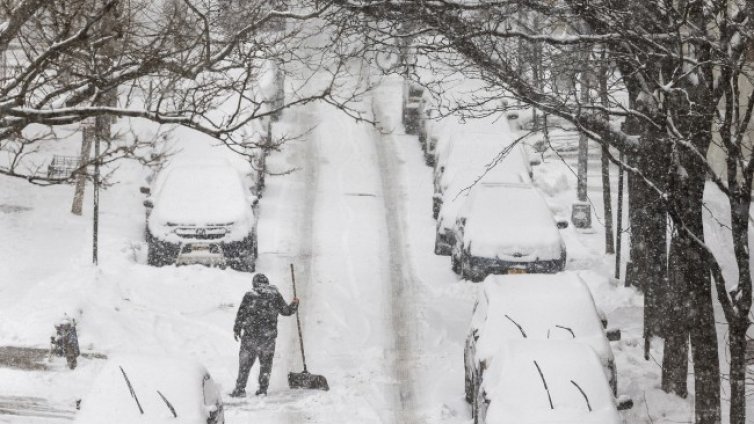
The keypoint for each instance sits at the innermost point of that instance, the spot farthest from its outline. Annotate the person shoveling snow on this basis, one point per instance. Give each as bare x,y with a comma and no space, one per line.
256,326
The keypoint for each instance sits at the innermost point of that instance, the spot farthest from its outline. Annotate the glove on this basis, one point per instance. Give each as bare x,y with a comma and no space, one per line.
295,301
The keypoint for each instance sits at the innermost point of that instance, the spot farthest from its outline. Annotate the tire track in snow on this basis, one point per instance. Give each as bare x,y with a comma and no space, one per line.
402,283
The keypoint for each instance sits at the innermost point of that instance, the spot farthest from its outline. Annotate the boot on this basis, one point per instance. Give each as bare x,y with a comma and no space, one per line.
261,392
238,392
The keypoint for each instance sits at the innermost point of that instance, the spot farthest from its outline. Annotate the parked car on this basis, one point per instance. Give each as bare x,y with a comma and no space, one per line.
445,133
428,120
514,168
435,129
132,389
414,102
506,228
468,157
484,165
201,213
535,307
545,382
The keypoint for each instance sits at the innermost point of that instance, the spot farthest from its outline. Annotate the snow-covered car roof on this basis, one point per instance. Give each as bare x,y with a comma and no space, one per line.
180,380
510,220
473,149
578,390
477,166
201,193
546,306
512,169
452,133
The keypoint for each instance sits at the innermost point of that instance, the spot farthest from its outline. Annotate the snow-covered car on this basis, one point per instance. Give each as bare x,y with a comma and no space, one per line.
535,307
133,389
513,168
428,120
435,134
506,228
192,206
546,382
471,155
414,102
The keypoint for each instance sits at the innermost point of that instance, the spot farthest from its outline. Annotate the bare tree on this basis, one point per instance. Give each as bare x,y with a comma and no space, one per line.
173,62
677,61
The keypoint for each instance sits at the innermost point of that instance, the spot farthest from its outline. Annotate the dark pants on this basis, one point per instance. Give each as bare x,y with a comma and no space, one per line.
251,348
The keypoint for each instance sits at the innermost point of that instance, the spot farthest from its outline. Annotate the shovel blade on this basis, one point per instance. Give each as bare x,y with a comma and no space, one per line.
305,380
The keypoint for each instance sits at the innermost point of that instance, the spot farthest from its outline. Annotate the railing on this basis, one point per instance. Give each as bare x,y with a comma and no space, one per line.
63,166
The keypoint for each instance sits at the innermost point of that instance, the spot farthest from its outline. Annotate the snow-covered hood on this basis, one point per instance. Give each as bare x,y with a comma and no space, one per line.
211,196
180,381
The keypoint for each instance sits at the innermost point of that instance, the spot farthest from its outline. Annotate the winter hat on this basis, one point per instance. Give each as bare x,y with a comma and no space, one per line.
260,280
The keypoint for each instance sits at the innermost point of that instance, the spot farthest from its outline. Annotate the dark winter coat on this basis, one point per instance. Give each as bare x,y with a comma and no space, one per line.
258,314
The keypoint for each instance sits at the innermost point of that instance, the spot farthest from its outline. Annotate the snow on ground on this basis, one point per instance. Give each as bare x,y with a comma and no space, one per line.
384,318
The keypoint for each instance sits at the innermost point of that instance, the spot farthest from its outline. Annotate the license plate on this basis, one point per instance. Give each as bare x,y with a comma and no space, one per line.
517,271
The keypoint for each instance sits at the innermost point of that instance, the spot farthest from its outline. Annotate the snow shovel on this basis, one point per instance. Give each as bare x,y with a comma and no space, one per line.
304,380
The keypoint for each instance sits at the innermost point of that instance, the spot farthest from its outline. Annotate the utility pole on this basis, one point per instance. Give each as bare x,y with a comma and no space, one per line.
87,129
95,220
102,122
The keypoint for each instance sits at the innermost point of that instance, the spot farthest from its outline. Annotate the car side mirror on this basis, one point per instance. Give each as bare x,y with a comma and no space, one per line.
624,403
562,224
145,190
148,204
613,335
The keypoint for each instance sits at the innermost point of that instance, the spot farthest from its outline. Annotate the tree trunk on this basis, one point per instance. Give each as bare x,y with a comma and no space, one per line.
675,360
648,219
737,333
694,292
606,197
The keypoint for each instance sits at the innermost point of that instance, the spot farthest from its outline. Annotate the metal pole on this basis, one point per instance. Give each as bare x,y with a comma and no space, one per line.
619,220
95,224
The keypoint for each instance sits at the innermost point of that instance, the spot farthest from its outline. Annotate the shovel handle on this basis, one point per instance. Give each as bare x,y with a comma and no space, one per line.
298,321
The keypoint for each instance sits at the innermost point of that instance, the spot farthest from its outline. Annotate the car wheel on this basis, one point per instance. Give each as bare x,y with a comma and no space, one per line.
438,249
153,255
466,272
455,264
465,267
